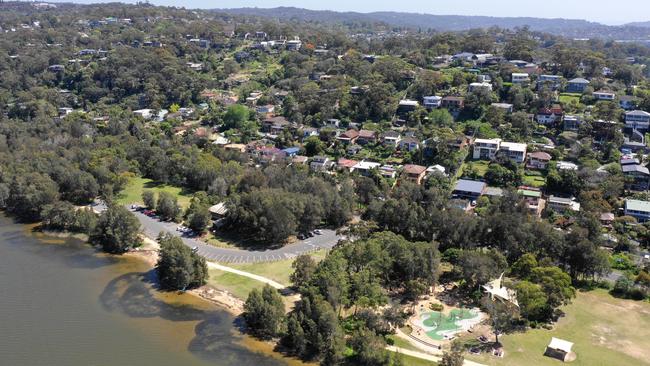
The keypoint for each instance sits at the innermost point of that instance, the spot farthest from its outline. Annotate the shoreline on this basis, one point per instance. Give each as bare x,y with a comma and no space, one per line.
148,253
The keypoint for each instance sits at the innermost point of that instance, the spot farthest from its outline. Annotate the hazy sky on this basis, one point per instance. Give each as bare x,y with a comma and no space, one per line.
604,11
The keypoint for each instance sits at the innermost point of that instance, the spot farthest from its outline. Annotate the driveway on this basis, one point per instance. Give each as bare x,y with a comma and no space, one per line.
152,227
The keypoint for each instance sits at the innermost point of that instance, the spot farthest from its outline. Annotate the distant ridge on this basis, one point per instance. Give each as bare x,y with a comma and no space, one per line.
559,26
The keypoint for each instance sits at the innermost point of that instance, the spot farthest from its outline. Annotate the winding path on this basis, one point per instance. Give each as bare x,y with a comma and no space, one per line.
426,356
326,240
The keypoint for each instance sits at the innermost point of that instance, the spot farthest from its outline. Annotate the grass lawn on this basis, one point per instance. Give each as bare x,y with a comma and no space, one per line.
605,331
412,361
132,193
240,286
480,166
534,181
566,98
402,343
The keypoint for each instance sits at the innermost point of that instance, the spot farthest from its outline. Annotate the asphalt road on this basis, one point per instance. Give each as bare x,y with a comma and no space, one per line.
152,227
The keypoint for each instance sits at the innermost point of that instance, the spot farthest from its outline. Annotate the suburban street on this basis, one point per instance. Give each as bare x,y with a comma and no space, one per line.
152,227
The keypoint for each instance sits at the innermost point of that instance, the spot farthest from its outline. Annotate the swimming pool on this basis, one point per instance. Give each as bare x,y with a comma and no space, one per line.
439,326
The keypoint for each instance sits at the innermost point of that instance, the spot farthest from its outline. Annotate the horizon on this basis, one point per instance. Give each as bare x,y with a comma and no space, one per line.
593,11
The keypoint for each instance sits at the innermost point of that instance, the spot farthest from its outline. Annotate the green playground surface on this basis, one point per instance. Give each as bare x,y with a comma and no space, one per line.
438,324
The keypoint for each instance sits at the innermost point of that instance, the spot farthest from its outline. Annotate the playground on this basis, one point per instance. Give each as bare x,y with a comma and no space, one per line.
439,326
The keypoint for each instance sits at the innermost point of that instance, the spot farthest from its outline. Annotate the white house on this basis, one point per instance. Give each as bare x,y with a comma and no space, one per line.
604,95
639,120
638,209
514,151
486,149
520,78
506,107
475,86
144,113
432,101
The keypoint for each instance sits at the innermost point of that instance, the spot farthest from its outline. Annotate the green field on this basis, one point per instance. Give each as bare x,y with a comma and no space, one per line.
240,286
480,166
566,98
534,181
132,193
605,331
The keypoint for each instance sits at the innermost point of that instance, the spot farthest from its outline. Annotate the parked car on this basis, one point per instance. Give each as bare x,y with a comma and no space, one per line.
317,232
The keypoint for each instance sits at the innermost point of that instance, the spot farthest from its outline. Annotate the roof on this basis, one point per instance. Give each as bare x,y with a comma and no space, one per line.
350,134
414,169
408,102
635,168
219,209
466,185
453,98
291,150
567,165
560,344
487,141
530,193
637,113
637,205
366,165
579,81
607,216
367,134
513,146
540,155
346,163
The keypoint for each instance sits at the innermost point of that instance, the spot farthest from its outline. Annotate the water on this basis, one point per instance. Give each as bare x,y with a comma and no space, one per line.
64,304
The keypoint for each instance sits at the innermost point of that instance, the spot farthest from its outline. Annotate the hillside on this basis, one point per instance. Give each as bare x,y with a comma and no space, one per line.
564,27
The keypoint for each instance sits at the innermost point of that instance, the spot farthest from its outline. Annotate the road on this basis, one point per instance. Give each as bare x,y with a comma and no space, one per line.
328,238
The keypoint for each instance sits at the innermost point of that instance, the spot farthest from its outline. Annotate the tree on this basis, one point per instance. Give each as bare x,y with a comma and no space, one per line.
313,145
502,315
369,349
236,116
523,267
303,268
454,356
533,303
264,312
149,199
198,215
29,193
555,283
179,267
117,231
167,206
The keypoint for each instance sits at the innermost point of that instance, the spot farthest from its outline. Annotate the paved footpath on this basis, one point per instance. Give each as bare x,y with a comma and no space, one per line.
326,240
425,356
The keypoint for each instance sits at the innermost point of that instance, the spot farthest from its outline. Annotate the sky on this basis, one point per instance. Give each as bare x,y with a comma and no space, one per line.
612,12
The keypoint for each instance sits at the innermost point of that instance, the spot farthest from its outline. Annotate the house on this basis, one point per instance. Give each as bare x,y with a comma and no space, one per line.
218,211
554,82
453,103
348,137
406,106
469,189
577,85
640,210
566,165
320,163
253,97
353,149
56,68
144,113
267,110
294,45
437,169
503,106
627,102
520,78
483,78
607,218
366,137
365,168
344,164
414,173
513,151
560,349
291,151
309,132
460,204
637,120
275,125
637,177
196,66
432,102
533,199
548,116
235,147
391,138
571,123
409,144
486,149
538,160
388,171
604,95
268,155
476,86
299,160
64,111
561,204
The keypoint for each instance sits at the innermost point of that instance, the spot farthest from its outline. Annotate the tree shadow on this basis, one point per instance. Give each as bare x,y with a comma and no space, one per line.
216,336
